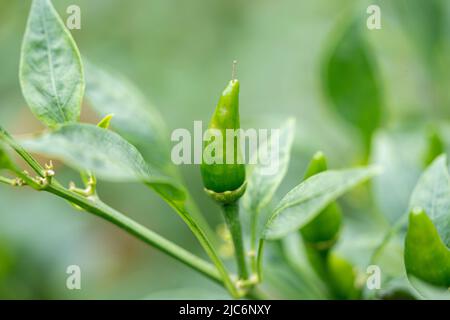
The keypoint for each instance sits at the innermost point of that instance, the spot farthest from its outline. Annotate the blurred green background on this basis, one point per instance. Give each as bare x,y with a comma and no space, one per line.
179,54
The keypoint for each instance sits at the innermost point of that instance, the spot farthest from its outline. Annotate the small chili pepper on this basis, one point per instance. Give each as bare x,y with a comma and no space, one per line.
322,231
223,179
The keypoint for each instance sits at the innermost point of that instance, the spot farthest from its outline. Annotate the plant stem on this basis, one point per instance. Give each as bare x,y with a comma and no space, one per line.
22,152
95,206
253,229
6,181
231,213
204,242
259,260
102,210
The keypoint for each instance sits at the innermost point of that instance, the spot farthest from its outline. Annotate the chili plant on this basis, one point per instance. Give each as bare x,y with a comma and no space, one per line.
282,247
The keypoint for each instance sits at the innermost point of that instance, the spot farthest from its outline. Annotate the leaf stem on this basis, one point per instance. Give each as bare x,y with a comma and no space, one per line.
102,210
259,260
204,242
95,206
231,213
253,240
6,181
22,153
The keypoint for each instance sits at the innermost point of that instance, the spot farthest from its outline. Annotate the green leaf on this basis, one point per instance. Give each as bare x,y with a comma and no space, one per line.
400,155
270,168
351,83
51,74
105,153
134,118
426,256
432,194
310,197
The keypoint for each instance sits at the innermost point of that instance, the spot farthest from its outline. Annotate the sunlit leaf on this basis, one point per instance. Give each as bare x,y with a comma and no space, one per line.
51,73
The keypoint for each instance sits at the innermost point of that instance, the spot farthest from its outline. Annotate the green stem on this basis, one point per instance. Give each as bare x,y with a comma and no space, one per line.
259,260
204,242
22,153
253,229
102,210
231,213
6,181
218,274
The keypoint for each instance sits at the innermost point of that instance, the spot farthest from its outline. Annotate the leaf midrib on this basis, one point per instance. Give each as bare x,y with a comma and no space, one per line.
50,62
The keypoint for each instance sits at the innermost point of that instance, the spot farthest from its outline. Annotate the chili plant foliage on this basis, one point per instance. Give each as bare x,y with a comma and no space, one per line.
293,246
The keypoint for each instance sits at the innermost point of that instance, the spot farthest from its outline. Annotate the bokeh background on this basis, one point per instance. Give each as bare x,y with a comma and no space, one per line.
179,54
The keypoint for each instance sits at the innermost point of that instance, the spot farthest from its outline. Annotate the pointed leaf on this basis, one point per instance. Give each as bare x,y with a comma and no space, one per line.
309,198
51,74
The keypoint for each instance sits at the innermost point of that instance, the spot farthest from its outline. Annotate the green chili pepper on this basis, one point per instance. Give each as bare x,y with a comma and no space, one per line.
322,231
426,256
224,180
320,235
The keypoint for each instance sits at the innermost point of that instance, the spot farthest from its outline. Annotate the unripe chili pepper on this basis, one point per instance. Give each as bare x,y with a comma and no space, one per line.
224,180
322,231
